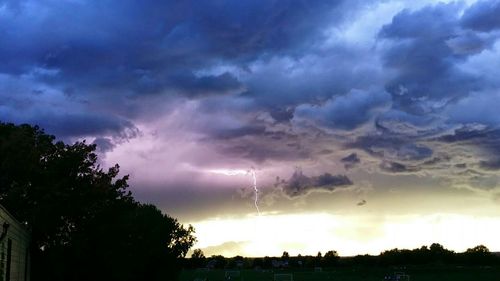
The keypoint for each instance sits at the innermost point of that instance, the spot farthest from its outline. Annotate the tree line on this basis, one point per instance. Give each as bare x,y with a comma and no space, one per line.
84,222
435,254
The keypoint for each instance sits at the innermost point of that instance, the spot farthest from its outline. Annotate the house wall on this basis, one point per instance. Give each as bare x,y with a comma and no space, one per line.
17,239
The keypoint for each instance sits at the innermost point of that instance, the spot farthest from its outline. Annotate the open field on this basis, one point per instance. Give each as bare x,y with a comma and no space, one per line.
421,273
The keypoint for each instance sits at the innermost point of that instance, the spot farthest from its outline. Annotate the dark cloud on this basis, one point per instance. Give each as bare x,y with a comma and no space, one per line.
419,50
361,203
261,149
402,124
267,82
118,42
395,167
300,184
104,144
478,108
386,146
376,145
462,157
414,152
490,165
282,84
115,55
251,27
345,112
437,160
282,114
75,124
350,161
85,125
471,133
234,133
189,85
482,16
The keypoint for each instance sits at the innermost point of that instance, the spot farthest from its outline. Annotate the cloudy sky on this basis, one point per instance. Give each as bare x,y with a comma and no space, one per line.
369,124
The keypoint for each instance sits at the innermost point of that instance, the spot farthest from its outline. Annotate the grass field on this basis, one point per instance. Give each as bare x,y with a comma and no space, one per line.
356,274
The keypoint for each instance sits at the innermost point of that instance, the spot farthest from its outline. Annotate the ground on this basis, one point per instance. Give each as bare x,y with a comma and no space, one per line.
421,273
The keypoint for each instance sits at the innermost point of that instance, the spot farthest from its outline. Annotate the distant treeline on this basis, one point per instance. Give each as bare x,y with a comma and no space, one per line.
435,254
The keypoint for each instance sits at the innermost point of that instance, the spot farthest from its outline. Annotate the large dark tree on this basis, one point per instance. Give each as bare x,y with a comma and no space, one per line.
85,224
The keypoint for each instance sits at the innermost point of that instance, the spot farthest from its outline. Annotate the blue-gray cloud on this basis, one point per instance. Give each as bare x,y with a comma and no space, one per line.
115,52
345,112
67,125
264,81
419,50
116,39
482,16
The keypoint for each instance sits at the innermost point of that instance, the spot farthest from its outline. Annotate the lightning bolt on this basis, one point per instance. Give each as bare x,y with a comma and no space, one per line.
255,188
251,172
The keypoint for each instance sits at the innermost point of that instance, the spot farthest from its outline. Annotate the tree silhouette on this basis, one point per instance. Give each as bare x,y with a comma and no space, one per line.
478,249
218,261
197,258
331,258
318,259
198,254
479,255
285,256
85,224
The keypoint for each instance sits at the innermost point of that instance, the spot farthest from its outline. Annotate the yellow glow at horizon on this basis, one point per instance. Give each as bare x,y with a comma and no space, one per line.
349,235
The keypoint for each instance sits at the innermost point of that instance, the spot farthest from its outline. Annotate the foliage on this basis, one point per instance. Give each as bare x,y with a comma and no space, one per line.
85,224
331,258
479,255
197,259
217,261
285,256
198,254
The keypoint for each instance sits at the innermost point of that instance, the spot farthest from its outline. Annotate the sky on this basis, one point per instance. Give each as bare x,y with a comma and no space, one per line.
369,125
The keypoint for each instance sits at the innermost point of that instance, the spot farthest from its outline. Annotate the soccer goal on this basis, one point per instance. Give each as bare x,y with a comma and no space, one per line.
283,277
401,276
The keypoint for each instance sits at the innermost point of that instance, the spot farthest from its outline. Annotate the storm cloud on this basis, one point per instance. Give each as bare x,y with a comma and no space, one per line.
482,16
350,161
299,184
322,85
420,49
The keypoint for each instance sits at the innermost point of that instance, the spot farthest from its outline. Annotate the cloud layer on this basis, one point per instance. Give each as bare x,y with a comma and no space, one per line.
272,84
